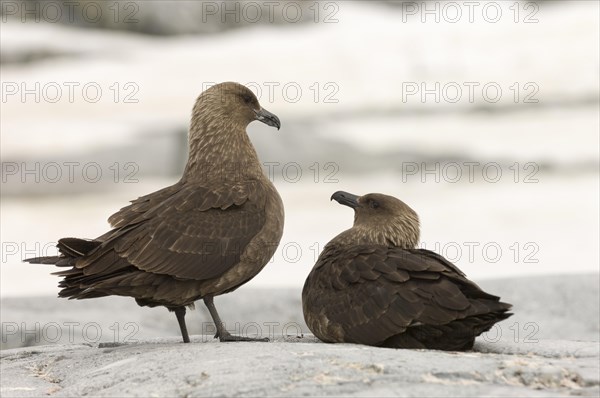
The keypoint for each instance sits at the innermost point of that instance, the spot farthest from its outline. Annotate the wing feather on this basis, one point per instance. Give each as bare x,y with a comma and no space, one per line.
379,292
185,231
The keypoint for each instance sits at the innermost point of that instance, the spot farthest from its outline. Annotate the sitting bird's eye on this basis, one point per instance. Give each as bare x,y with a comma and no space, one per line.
373,204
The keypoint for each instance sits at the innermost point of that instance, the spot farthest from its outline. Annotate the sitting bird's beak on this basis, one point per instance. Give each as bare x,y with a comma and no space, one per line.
346,199
267,118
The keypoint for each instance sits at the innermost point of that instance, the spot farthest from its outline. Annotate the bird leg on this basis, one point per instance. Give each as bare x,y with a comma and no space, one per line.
222,333
180,314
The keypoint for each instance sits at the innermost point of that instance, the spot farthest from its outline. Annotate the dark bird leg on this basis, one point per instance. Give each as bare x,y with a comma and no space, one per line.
223,334
180,314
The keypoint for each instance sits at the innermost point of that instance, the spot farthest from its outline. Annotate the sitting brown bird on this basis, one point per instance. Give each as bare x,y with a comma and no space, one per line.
371,285
206,235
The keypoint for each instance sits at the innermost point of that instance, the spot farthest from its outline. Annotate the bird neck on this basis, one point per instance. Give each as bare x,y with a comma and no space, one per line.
222,151
403,236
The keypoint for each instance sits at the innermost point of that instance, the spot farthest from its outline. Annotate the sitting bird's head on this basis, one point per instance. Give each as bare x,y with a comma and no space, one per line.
379,219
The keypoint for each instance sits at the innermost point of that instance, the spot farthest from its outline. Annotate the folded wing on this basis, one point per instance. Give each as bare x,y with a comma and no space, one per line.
187,232
370,294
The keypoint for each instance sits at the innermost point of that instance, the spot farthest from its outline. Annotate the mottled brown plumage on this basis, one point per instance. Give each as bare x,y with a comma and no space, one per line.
206,235
371,285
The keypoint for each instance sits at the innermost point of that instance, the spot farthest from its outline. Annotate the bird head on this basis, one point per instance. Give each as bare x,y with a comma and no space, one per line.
380,219
234,103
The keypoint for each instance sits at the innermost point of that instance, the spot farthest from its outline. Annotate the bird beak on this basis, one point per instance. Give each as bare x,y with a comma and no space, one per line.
267,118
346,199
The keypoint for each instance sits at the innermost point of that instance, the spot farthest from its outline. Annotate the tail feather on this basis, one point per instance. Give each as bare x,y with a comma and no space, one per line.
70,249
75,247
43,260
458,335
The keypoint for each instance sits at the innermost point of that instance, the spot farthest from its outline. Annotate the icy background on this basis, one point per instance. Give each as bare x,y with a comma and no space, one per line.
364,133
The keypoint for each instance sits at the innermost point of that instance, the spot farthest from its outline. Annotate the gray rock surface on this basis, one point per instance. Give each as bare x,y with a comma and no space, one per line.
294,366
548,348
559,307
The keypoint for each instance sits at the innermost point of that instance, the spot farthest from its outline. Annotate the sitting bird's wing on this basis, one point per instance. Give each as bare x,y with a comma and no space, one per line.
371,293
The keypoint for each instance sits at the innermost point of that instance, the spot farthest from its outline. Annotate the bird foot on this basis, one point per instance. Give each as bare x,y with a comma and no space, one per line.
227,337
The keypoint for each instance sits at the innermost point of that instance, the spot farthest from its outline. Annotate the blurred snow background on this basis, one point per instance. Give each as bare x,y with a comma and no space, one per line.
373,97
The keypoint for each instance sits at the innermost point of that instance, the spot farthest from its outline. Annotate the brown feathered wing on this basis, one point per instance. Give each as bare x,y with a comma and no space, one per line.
390,296
185,231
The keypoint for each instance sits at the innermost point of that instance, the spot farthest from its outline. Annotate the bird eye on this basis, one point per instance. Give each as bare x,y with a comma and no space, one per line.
247,98
373,204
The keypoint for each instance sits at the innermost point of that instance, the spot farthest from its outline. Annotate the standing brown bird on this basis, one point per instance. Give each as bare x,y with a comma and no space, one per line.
371,285
206,235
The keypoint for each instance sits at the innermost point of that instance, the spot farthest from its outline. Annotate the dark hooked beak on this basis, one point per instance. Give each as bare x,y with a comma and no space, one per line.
346,199
267,118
